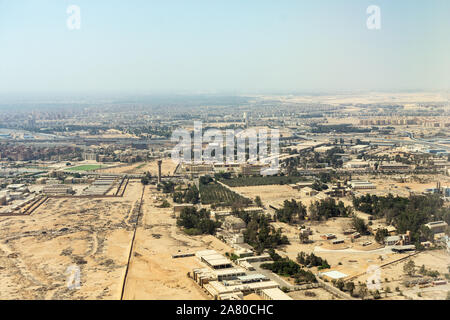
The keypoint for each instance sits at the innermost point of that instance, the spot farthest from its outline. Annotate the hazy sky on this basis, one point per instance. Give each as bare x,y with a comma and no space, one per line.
233,46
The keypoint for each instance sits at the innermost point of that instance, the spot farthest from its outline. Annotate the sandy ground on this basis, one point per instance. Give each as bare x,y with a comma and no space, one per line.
393,276
153,273
317,294
273,194
36,251
168,168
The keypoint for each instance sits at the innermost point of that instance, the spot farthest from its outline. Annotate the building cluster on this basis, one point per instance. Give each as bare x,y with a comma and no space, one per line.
405,121
29,152
193,169
15,197
101,186
224,280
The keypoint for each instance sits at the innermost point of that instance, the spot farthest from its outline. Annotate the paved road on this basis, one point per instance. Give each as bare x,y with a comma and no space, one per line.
269,274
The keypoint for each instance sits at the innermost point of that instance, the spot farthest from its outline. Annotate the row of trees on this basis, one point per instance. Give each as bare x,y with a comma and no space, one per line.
259,181
191,195
328,208
288,268
406,213
311,260
291,210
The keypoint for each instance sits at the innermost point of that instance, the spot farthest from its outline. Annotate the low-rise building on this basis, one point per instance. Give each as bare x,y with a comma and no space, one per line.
437,226
362,185
274,294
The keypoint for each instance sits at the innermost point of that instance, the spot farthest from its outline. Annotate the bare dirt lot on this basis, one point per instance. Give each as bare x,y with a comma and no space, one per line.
153,273
393,276
167,168
312,294
93,234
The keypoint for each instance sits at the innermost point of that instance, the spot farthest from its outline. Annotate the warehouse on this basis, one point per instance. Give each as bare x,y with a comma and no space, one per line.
213,259
227,274
274,294
362,185
216,288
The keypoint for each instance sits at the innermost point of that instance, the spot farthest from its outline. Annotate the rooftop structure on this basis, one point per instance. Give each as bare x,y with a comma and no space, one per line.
362,185
274,294
333,275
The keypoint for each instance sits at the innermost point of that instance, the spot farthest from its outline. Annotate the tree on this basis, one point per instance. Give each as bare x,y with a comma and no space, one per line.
381,235
349,286
340,284
304,238
409,268
258,202
362,291
359,225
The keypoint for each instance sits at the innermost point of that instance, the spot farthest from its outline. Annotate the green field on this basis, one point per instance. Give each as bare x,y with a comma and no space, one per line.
261,181
87,167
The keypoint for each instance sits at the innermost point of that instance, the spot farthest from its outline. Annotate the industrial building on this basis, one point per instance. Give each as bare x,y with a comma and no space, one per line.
362,185
213,259
57,190
437,226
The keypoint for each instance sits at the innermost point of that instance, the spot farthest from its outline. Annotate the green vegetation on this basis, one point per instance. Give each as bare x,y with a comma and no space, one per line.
406,213
288,268
146,179
381,235
261,181
290,211
340,128
87,167
312,260
215,194
319,186
258,202
164,204
259,233
166,187
430,273
359,225
328,208
196,222
409,268
191,195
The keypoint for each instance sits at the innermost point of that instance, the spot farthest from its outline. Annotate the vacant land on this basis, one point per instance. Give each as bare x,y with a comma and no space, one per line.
393,276
167,168
153,273
312,294
37,251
